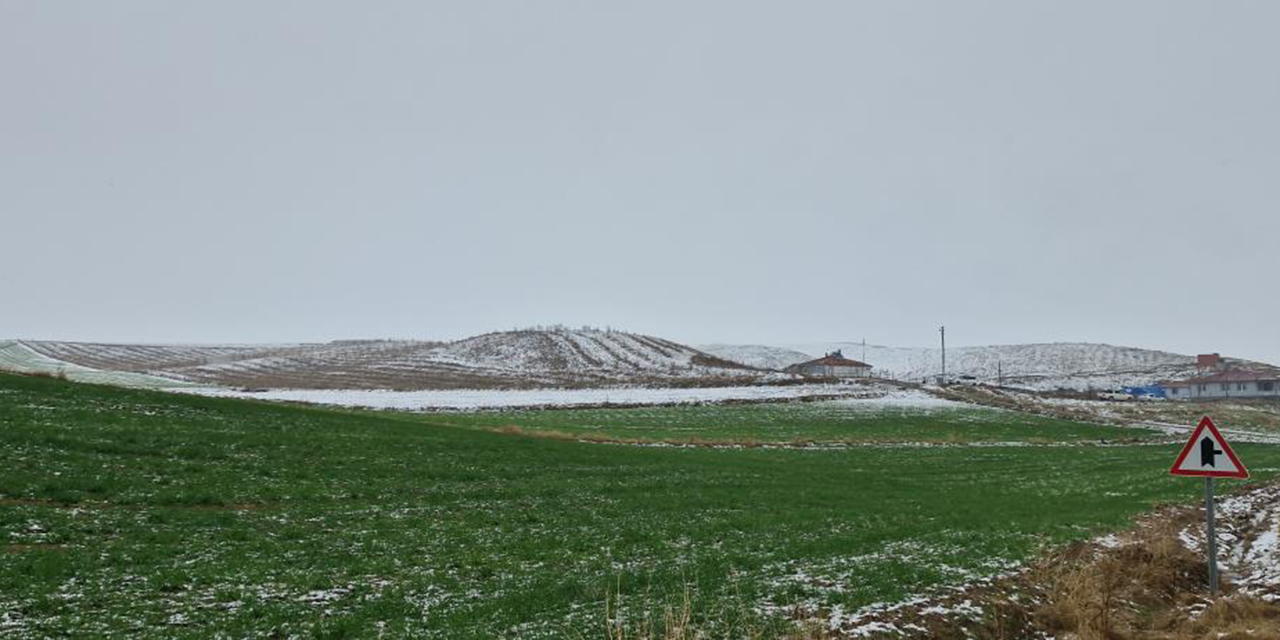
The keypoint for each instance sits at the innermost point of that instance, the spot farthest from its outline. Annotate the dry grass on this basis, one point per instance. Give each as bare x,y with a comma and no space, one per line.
1147,587
1107,594
1232,618
680,622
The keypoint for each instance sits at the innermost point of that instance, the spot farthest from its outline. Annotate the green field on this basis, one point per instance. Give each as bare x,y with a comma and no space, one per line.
797,423
159,515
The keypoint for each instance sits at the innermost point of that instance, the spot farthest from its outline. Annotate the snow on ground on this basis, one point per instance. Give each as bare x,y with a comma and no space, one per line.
1044,359
756,355
16,356
464,399
552,357
558,356
1049,366
1232,434
144,357
1072,365
900,399
1248,536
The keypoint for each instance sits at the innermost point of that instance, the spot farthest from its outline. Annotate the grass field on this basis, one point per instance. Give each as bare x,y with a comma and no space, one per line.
850,421
162,515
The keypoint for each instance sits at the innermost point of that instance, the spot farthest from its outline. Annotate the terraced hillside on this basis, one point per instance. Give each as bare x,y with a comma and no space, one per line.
146,357
511,359
21,357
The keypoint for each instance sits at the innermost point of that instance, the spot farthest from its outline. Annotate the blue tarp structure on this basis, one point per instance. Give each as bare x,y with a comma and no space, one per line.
1149,391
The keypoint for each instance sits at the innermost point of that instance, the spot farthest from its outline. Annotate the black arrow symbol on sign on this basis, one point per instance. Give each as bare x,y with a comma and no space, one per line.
1207,452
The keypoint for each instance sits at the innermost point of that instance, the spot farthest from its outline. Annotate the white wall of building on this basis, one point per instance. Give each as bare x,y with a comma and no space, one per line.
1219,390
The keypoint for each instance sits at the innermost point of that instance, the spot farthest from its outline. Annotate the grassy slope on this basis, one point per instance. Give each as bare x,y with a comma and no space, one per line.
168,515
838,421
1260,415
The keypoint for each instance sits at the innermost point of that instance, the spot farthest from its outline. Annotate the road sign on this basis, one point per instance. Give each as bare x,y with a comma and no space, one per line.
1207,454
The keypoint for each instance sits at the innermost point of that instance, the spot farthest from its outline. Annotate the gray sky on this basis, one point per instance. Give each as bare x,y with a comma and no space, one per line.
706,171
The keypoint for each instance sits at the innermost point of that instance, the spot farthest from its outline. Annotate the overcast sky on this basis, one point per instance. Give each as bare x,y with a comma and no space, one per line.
729,171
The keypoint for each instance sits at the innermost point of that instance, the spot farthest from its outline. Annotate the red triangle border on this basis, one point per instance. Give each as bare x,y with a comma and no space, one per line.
1206,423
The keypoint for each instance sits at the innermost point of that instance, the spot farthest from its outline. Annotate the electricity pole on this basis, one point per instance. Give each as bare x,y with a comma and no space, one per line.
943,330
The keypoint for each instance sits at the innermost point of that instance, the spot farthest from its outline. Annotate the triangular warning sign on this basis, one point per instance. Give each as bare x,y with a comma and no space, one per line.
1208,454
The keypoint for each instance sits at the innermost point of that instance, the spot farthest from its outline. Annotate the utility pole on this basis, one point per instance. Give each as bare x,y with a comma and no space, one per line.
943,330
1000,374
864,349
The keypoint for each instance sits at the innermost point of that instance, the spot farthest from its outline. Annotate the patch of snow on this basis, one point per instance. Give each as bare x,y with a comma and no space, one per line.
19,357
1248,537
519,398
900,399
1109,541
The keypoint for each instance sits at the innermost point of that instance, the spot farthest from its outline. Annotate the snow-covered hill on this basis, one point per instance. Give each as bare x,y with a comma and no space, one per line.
512,359
757,355
20,357
146,357
559,357
1016,360
1072,365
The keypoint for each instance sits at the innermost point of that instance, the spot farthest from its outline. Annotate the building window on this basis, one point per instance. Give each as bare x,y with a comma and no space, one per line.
1202,387
1226,387
1266,386
1239,386
1173,391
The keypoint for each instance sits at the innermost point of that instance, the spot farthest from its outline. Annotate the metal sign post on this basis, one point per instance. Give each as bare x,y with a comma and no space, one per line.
1211,537
1208,455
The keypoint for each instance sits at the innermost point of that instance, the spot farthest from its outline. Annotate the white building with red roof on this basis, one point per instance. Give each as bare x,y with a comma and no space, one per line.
1236,383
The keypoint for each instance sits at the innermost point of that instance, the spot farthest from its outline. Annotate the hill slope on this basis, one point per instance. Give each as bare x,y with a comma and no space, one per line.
758,355
1074,365
22,357
511,359
1016,360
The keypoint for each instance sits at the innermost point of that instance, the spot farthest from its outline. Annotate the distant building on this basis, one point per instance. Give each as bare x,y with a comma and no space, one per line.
832,365
1208,361
1227,384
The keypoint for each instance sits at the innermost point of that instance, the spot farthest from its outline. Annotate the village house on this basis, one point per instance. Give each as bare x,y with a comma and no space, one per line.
1226,384
832,365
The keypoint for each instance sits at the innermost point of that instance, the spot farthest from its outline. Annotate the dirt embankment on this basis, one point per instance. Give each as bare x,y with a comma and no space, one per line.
1149,582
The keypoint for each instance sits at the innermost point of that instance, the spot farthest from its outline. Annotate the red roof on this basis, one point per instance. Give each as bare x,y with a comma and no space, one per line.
1238,375
832,360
